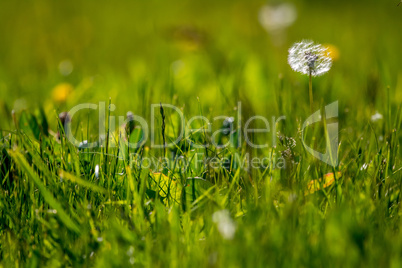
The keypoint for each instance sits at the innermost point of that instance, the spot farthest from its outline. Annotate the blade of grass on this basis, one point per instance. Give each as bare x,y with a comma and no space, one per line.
48,196
82,182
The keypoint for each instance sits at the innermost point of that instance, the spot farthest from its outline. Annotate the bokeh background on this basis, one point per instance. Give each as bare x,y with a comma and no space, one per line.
55,54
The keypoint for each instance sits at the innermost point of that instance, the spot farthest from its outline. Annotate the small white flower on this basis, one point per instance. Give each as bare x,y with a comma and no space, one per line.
83,144
308,58
97,171
375,117
364,166
226,225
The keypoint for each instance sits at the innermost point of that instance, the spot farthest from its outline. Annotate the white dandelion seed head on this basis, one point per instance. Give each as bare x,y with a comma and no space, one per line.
308,58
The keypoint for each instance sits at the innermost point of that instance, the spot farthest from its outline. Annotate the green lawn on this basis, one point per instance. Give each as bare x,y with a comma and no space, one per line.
229,204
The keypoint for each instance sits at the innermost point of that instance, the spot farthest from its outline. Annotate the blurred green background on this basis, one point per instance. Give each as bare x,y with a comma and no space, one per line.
143,52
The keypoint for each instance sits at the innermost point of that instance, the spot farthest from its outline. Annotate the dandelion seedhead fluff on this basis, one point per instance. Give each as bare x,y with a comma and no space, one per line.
308,58
277,17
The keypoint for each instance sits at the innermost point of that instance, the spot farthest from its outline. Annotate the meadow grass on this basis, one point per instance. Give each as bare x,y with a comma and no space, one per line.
61,205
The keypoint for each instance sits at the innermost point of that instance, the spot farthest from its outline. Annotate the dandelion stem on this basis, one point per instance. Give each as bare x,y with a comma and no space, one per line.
310,91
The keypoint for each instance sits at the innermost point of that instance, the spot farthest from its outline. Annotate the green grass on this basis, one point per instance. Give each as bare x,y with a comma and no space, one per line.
204,57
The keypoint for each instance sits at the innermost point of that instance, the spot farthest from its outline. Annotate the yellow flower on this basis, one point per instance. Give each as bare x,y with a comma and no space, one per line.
316,185
333,51
61,92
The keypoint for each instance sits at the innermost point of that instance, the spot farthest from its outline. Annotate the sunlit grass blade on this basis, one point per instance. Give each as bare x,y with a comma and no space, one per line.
48,196
82,182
